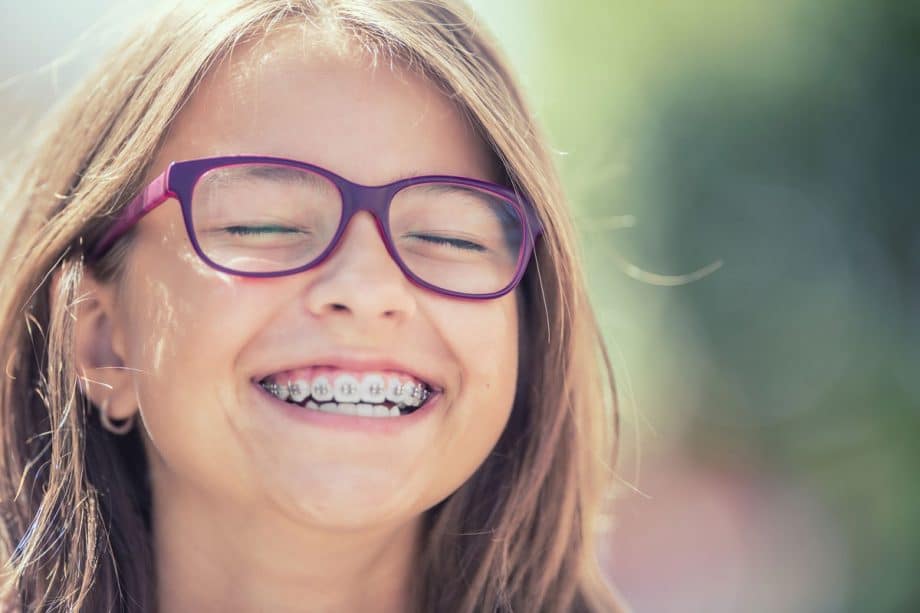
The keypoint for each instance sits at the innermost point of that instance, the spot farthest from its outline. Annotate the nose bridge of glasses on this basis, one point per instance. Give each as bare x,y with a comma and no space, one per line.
374,200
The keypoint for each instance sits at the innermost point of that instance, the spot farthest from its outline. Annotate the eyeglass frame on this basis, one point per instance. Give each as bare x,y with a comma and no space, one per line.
180,178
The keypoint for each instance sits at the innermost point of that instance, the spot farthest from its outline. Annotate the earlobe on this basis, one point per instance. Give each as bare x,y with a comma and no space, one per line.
98,351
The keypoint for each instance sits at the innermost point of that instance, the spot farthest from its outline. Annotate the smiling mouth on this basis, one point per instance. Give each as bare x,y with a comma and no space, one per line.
368,395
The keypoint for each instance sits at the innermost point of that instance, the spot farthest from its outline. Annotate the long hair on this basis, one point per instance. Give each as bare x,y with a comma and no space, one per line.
519,535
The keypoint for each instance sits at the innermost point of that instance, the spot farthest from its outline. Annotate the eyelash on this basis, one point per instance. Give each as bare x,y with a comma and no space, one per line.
250,230
456,243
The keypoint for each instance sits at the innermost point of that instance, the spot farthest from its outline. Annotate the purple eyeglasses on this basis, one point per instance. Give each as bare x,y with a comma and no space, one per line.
258,216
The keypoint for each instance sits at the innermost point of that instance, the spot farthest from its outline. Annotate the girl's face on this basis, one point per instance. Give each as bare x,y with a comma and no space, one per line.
202,340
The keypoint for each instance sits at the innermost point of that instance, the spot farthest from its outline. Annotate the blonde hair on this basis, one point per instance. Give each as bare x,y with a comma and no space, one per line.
519,535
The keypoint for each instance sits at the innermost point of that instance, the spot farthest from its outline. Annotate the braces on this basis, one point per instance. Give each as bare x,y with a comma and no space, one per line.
292,389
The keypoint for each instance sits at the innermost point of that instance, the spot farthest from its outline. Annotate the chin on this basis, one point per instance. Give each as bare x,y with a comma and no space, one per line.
342,497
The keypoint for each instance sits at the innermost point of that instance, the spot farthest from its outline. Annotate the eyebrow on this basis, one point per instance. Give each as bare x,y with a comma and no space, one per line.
469,192
278,174
453,187
507,216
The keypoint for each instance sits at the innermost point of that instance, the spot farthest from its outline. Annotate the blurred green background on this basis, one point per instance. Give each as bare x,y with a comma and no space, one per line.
744,175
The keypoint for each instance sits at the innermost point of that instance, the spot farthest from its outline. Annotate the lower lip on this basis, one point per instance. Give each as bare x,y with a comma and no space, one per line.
351,423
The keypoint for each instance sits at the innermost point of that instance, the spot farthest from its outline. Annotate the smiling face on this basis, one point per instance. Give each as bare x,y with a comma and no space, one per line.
202,341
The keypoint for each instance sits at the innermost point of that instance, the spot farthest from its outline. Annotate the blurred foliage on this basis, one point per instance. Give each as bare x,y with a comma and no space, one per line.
772,145
780,139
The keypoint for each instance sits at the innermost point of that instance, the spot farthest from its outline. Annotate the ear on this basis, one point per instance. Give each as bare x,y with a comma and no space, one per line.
99,347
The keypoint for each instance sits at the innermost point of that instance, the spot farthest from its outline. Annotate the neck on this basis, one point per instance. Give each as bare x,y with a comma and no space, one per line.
212,557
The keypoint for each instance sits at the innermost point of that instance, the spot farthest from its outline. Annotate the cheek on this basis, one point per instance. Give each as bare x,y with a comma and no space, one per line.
171,325
183,339
490,362
487,346
483,338
184,318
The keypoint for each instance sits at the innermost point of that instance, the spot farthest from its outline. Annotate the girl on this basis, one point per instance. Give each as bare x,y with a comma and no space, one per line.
293,322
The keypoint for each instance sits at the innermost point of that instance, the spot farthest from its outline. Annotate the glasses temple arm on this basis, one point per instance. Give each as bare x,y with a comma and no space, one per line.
155,194
534,222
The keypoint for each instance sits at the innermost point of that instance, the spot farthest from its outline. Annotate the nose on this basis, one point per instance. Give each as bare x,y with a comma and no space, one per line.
360,281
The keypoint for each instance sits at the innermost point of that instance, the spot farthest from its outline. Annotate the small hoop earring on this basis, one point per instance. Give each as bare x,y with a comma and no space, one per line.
120,429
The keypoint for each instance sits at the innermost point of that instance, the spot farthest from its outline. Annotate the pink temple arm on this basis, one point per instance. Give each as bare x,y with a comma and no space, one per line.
152,196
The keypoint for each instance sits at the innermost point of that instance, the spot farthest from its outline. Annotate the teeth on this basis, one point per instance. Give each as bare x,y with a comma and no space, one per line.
322,391
299,390
362,409
418,395
351,392
373,389
394,390
407,395
347,389
349,408
281,391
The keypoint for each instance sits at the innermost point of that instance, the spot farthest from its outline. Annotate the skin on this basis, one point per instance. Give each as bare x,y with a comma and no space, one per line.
253,511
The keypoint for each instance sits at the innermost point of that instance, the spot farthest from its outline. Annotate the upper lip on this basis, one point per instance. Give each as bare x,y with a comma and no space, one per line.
358,363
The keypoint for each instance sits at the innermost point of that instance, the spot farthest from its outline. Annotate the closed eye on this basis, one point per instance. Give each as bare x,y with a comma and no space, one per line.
457,243
240,230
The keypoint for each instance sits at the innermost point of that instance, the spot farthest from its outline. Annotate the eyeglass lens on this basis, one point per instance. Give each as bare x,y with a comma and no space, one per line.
259,218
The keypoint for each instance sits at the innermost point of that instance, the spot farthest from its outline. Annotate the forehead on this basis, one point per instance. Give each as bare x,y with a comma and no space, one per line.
304,94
